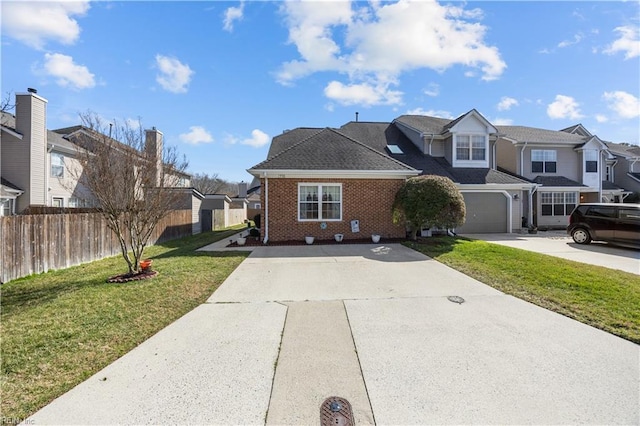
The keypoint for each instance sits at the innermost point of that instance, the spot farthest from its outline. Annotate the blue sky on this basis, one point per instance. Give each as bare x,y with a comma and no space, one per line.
220,79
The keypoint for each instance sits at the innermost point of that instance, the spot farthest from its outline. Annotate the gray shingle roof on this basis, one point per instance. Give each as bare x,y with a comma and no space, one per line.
556,181
532,134
379,135
610,185
625,150
8,184
331,150
424,124
289,138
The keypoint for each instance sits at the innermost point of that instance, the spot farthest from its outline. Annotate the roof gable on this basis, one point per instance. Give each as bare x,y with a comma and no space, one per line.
471,120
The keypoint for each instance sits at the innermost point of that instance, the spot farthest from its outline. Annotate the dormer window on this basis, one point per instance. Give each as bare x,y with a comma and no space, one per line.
471,147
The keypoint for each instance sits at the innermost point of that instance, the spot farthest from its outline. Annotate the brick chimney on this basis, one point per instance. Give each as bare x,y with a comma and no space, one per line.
154,145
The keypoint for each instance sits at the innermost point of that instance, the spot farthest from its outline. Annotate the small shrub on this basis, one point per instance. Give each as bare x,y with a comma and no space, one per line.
257,220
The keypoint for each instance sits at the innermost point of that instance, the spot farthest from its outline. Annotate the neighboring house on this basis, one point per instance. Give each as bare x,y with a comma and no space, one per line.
253,198
623,167
568,166
220,211
39,166
318,181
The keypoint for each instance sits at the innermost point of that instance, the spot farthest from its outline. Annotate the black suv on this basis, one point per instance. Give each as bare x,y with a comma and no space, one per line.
613,223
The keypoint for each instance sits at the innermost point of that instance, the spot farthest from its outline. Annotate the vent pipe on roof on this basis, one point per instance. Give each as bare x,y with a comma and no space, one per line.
357,116
32,90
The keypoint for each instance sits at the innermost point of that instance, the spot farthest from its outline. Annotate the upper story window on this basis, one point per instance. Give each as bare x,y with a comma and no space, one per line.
608,174
471,147
543,161
591,161
319,201
57,165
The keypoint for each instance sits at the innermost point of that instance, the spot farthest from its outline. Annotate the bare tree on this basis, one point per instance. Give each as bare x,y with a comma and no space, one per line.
133,179
206,184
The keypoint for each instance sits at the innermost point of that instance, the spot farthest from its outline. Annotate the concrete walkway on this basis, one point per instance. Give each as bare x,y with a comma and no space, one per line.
559,244
292,326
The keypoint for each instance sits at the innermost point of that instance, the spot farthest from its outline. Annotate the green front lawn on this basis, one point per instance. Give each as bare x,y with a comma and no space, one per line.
601,297
61,327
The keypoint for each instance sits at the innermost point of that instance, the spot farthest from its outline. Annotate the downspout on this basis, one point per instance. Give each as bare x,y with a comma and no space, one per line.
532,191
47,173
430,142
266,209
600,174
493,154
522,159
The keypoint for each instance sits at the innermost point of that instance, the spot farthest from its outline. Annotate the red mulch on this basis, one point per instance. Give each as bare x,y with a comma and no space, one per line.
252,242
124,278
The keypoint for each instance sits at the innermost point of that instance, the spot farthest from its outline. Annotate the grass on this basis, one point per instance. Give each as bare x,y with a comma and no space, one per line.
598,296
61,327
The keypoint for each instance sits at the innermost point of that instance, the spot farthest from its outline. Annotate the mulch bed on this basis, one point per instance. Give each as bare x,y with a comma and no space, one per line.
125,278
252,242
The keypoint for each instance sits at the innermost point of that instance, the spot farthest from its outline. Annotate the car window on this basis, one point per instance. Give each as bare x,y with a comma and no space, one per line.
629,213
602,211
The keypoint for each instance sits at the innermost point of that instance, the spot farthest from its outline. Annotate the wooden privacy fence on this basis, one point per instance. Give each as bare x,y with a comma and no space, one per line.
31,244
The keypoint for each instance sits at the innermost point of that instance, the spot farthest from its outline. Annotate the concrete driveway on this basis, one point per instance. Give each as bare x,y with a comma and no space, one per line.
293,326
559,244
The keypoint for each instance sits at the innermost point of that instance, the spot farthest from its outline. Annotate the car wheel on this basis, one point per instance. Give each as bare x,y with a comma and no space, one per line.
581,236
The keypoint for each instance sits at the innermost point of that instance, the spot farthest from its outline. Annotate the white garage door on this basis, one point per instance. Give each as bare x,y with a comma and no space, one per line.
486,213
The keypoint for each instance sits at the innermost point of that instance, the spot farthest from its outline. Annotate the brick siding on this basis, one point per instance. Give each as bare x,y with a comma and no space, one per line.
368,200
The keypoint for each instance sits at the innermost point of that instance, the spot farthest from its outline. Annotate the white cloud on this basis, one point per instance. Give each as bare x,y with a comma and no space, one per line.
502,122
629,42
258,139
432,90
68,73
174,76
601,118
564,107
196,136
231,15
566,43
378,42
35,23
364,94
431,113
506,103
624,104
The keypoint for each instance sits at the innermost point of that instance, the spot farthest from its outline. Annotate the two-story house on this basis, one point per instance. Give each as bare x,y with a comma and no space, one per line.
39,167
570,166
321,182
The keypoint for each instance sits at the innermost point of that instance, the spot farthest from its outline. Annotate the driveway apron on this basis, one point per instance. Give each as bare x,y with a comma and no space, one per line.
373,324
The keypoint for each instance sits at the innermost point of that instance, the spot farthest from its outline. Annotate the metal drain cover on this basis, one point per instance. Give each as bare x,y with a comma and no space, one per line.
456,299
336,411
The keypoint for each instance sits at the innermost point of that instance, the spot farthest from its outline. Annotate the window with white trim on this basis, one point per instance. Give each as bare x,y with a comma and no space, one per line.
543,161
319,201
57,165
591,161
58,202
608,174
6,206
471,147
558,203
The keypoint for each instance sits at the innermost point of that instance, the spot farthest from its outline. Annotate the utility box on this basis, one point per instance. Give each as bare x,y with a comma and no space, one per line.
355,226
